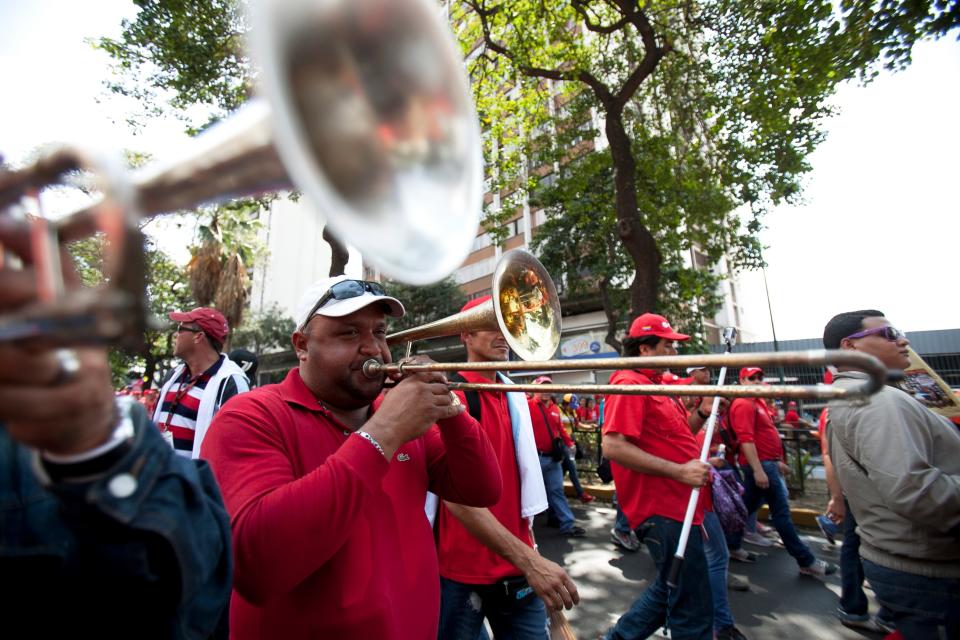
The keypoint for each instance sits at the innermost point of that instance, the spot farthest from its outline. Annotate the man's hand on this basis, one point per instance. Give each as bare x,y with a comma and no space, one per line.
551,583
760,478
410,408
40,404
784,469
836,510
706,405
693,473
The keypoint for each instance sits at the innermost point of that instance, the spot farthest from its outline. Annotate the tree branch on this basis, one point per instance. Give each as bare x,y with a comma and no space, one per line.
580,7
602,92
651,58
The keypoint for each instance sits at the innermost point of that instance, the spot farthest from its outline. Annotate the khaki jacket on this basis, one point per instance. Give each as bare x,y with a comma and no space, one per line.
899,466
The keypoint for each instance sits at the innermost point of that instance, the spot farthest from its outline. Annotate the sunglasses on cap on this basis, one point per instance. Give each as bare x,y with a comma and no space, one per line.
346,289
887,332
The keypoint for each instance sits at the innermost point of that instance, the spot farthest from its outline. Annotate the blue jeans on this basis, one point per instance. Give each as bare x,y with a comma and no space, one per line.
852,598
553,483
775,496
686,610
621,524
464,606
715,549
920,608
570,467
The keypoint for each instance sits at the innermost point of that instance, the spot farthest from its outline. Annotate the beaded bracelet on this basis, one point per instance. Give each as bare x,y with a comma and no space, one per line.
369,438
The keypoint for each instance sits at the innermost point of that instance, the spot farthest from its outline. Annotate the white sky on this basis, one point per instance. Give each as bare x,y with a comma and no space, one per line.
877,229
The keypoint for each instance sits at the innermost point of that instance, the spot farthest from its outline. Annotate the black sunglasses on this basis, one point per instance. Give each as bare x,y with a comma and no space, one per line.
180,329
344,290
886,332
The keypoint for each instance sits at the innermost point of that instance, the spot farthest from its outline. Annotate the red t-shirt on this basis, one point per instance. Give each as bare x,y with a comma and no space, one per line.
462,557
330,540
540,433
791,416
658,425
751,420
588,415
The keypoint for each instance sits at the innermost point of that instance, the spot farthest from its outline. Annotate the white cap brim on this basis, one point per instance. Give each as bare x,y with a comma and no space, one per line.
692,369
340,308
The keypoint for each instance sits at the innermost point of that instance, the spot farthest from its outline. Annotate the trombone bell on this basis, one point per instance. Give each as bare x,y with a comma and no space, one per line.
524,307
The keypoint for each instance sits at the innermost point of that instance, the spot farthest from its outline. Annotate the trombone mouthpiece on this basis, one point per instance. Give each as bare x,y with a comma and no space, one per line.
373,368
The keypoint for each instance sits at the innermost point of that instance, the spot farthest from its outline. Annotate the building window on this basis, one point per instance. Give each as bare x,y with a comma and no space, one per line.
481,242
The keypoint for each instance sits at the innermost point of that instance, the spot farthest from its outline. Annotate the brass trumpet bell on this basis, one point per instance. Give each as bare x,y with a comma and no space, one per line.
524,306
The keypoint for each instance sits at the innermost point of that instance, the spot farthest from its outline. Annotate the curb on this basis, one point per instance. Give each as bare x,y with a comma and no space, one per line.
801,517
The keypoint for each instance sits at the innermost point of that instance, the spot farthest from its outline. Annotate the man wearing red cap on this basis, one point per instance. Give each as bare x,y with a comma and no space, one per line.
200,385
325,480
654,454
487,555
761,459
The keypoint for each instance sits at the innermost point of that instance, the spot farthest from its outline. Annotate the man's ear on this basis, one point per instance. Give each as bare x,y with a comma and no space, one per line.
299,341
848,344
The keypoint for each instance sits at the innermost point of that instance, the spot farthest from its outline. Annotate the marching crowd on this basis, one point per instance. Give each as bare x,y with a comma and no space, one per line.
326,506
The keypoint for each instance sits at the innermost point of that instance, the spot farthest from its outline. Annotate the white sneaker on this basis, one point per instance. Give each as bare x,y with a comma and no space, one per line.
757,540
819,568
742,555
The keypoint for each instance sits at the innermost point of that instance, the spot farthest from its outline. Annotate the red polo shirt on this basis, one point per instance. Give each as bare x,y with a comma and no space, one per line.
330,539
658,426
462,557
540,432
750,419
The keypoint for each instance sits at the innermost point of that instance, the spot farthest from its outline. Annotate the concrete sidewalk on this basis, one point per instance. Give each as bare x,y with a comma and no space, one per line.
780,605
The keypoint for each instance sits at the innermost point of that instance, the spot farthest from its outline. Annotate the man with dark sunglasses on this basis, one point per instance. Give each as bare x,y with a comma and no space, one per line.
203,381
899,467
325,479
761,460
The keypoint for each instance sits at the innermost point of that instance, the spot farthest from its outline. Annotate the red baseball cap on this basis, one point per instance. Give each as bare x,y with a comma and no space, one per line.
650,324
476,302
212,322
746,372
542,380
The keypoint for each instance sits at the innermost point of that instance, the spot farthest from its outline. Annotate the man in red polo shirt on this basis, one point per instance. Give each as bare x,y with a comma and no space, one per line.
547,425
487,554
761,459
654,454
325,481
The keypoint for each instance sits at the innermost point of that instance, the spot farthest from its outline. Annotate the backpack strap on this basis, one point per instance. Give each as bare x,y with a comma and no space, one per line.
473,397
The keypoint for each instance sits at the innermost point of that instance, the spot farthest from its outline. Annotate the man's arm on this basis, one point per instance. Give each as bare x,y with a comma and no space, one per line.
894,442
836,509
546,577
618,449
461,462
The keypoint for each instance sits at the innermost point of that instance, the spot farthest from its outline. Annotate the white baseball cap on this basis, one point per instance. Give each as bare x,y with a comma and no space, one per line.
336,308
692,369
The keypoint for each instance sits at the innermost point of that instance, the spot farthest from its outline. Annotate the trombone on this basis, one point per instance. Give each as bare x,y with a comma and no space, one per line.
524,306
364,107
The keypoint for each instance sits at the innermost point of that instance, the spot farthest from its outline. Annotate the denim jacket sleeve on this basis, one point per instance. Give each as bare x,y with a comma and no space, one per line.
141,550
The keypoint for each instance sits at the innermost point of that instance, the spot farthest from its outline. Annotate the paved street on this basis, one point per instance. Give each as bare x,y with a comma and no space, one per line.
781,604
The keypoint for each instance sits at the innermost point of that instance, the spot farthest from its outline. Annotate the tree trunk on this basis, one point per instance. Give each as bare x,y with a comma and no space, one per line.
637,239
338,253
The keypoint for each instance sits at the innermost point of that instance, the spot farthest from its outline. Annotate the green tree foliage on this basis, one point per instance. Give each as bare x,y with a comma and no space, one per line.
423,304
265,331
706,112
706,109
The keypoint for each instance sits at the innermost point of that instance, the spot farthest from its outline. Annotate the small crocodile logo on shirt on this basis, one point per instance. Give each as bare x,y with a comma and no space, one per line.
403,457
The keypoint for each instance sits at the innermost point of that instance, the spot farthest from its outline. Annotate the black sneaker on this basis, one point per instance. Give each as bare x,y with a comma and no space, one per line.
730,633
575,532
